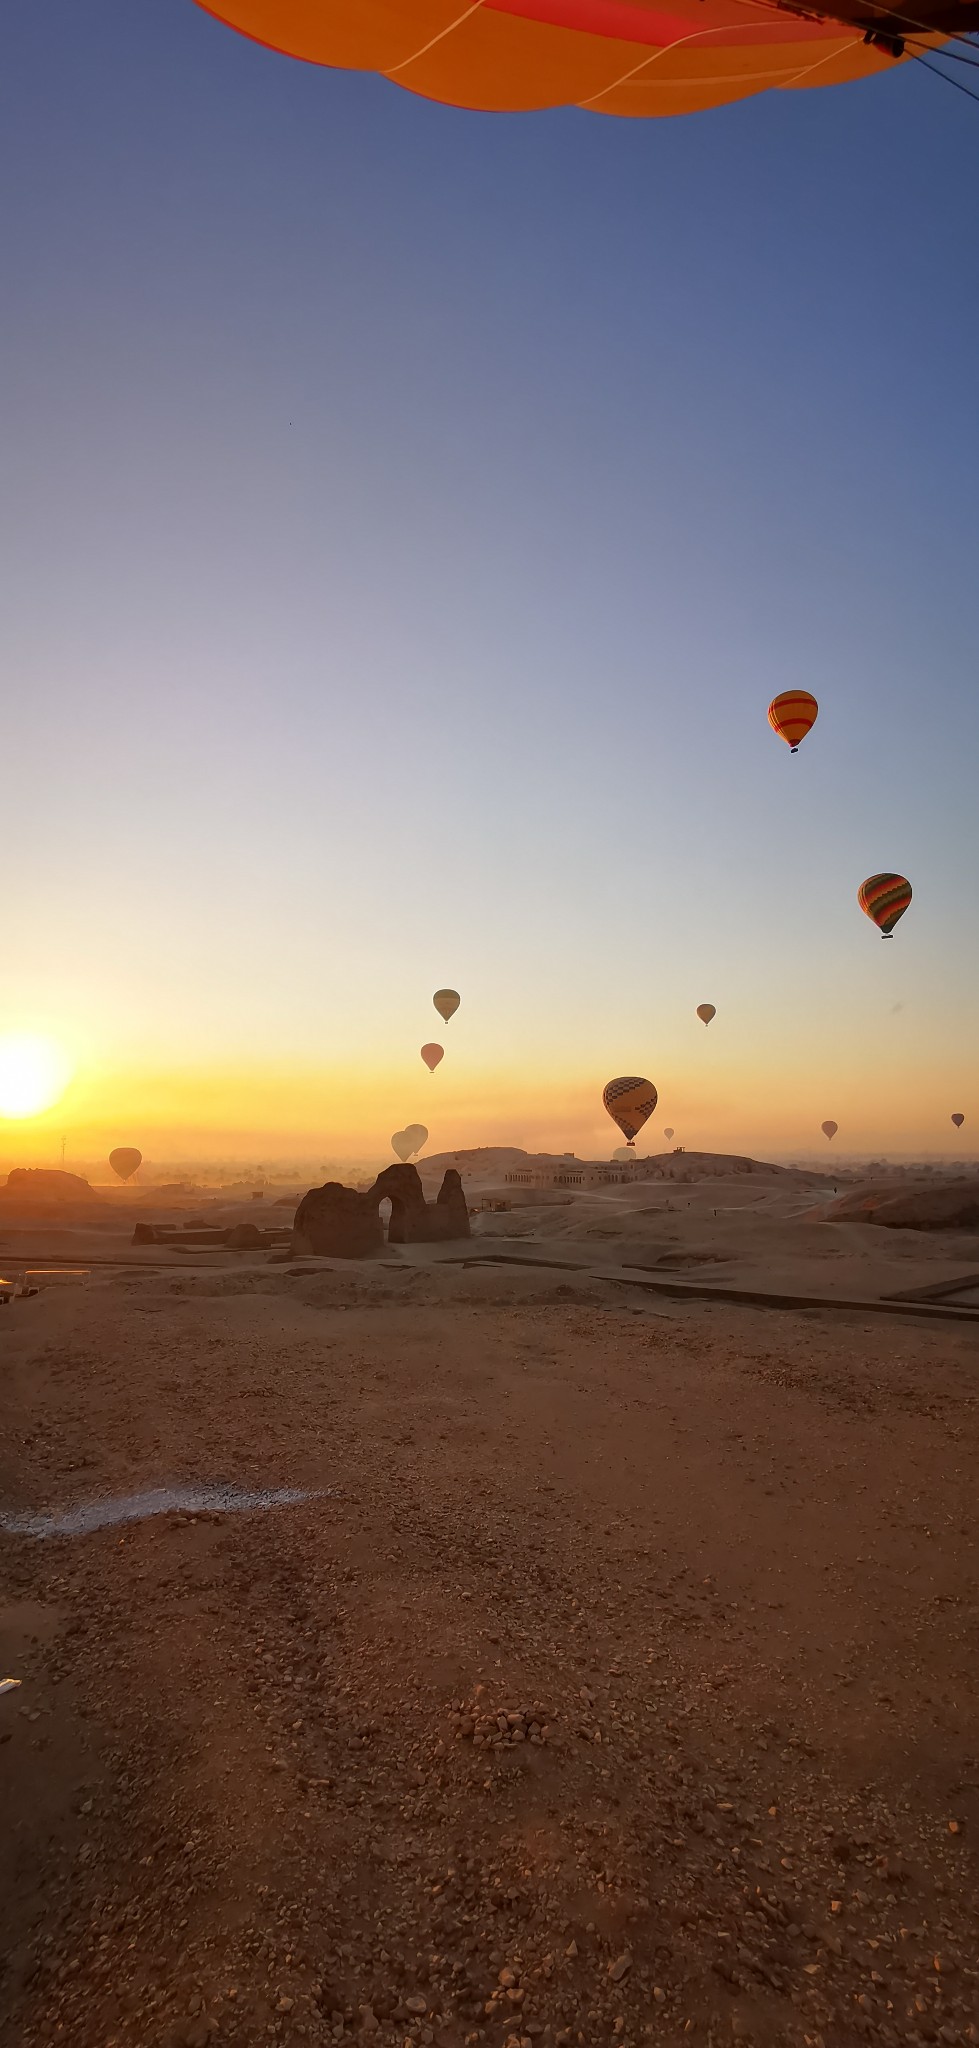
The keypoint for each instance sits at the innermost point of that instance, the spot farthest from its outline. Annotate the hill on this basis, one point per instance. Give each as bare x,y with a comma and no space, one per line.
37,1187
954,1205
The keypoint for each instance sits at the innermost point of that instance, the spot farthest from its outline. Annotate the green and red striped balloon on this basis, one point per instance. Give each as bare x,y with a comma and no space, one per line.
884,898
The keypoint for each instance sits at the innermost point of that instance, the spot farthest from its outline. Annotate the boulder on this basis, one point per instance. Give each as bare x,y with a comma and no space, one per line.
246,1237
337,1223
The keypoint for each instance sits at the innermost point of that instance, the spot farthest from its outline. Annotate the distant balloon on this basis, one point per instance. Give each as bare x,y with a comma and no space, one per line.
402,1145
629,1101
624,1152
792,715
446,1002
884,898
431,1054
705,1012
958,1119
669,1134
125,1161
418,1135
829,1129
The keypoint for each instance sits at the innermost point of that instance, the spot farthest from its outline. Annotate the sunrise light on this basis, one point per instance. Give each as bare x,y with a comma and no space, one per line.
34,1073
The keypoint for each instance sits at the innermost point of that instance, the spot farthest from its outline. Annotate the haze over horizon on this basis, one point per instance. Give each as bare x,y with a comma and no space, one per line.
408,516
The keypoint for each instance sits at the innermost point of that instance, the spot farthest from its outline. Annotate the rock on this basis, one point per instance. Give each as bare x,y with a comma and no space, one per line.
45,1187
285,2003
337,1222
198,2034
415,1221
244,1237
343,1223
620,1968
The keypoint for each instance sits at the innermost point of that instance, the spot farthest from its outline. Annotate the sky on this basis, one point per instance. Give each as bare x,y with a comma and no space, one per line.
406,517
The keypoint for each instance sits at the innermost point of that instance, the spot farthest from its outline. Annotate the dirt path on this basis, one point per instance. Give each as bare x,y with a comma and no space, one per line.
717,1567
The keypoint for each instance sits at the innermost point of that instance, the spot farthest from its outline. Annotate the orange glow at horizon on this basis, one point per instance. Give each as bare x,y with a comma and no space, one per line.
300,1110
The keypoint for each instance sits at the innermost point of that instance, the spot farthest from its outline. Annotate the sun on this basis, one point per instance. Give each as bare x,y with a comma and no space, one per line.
33,1074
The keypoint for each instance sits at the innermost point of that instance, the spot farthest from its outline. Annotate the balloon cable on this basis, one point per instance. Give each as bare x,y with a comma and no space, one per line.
951,56
815,13
949,80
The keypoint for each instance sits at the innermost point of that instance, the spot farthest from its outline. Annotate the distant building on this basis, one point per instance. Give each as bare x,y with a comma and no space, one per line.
568,1172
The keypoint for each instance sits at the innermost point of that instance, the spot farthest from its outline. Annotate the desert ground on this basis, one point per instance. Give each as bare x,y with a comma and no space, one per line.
608,1674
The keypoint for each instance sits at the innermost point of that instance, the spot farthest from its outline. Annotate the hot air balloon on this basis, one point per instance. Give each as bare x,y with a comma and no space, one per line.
446,1002
792,715
418,1135
705,1012
606,55
125,1161
669,1134
402,1145
431,1054
829,1129
958,1119
884,898
629,1101
624,1152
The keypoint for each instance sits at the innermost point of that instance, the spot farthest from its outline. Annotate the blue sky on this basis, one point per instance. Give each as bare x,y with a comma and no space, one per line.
407,515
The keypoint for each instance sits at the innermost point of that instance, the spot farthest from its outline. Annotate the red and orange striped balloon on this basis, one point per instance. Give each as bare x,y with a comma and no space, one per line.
884,898
792,715
632,57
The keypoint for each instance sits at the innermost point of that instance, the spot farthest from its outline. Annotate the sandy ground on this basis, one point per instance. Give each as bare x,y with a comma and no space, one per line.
716,1565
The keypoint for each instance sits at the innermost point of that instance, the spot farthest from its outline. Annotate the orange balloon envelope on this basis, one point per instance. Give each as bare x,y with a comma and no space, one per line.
792,715
705,1012
125,1161
633,57
829,1129
958,1119
629,1101
446,1002
431,1054
884,898
667,1134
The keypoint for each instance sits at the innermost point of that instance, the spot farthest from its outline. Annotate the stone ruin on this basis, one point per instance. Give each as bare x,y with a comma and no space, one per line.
343,1223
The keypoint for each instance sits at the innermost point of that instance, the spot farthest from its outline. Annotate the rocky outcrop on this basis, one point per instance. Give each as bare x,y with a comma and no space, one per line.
45,1186
337,1223
415,1221
343,1223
